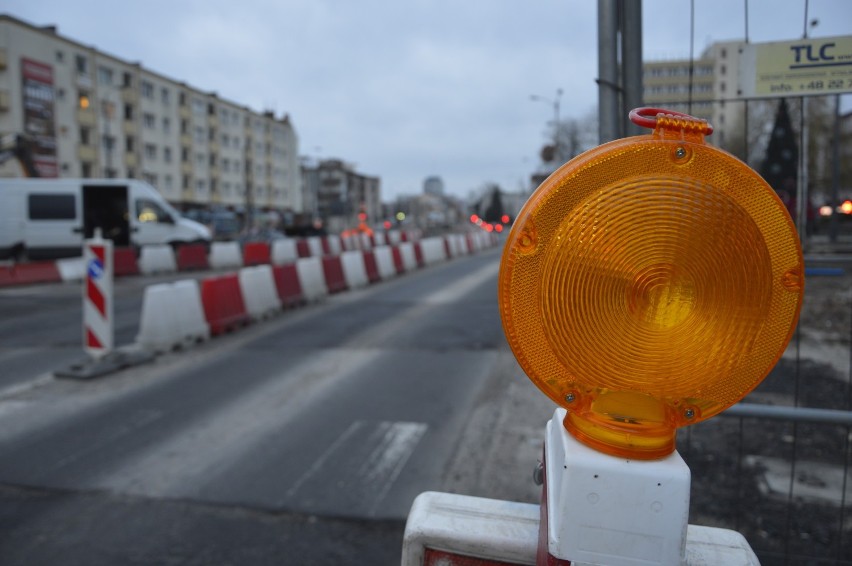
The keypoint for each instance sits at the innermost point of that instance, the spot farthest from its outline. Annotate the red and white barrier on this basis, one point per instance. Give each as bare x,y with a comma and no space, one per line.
256,253
384,262
225,255
284,251
315,246
98,297
258,289
309,270
191,257
409,259
335,280
157,259
354,269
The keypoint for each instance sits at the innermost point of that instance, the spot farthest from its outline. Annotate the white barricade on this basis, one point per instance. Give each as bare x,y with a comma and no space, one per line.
157,259
258,288
192,323
460,243
172,316
311,278
354,269
334,247
315,246
284,251
225,254
460,525
350,243
365,242
159,327
409,259
380,238
384,262
71,269
433,250
394,238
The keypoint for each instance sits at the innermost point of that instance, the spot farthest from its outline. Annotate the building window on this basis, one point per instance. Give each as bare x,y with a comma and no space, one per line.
85,136
149,120
86,169
185,183
150,151
167,125
167,154
198,107
147,90
60,57
104,75
108,142
81,64
129,144
723,53
131,173
184,127
128,112
164,96
184,155
200,136
168,183
127,81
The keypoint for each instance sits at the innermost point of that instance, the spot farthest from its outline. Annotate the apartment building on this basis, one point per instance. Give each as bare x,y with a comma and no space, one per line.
342,193
91,114
709,93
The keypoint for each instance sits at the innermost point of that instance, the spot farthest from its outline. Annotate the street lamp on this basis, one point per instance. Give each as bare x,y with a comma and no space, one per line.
555,103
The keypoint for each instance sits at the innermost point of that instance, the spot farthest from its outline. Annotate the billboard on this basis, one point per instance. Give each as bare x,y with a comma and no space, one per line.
796,68
39,122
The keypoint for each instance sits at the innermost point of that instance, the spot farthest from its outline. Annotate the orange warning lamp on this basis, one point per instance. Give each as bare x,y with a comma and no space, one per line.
650,283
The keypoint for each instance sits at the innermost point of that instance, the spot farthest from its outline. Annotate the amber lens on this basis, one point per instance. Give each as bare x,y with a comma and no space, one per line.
649,284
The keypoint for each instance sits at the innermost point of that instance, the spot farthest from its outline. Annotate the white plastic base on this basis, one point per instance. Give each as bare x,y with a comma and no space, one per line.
603,509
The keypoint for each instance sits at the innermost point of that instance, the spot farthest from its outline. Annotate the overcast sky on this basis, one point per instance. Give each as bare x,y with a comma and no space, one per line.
405,89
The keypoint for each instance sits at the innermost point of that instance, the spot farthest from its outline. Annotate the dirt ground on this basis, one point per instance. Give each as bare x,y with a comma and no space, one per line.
742,468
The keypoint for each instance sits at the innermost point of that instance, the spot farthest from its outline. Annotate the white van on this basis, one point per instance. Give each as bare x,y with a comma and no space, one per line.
49,218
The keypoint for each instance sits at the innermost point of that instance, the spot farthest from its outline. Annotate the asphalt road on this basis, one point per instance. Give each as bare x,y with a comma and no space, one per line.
301,440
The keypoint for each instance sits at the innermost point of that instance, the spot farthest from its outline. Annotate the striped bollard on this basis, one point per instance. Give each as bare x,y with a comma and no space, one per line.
97,297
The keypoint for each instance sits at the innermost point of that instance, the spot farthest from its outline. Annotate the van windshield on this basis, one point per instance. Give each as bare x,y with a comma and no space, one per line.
148,210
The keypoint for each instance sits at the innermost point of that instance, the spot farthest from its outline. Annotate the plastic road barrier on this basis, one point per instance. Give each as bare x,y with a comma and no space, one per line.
225,254
287,285
284,251
192,257
224,308
354,269
157,259
332,268
371,267
408,252
124,262
384,262
315,246
302,248
258,290
309,270
256,253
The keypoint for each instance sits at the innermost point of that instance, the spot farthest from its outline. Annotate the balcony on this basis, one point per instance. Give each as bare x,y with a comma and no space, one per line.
129,95
87,152
86,117
4,101
129,127
130,160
